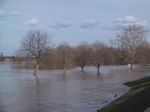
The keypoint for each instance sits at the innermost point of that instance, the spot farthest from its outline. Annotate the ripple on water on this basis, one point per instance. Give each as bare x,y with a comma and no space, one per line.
54,91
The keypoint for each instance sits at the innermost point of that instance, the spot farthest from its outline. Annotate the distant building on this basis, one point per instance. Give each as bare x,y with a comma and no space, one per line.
2,58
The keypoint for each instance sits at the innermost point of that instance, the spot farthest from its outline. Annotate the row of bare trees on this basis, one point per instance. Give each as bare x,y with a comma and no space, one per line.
130,46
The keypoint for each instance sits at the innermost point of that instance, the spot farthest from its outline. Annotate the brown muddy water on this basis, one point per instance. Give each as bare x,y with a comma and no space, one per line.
56,91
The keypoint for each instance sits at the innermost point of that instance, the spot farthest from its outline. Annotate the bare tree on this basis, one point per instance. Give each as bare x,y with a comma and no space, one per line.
130,40
143,55
98,54
82,55
64,55
18,59
35,45
49,60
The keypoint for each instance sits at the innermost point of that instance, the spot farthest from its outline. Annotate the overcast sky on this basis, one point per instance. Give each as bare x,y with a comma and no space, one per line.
70,21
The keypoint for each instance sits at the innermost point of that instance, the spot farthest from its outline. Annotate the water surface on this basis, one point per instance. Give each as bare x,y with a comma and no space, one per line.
56,91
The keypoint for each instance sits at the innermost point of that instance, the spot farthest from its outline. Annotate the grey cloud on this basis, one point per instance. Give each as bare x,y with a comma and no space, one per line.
123,22
129,20
92,24
61,24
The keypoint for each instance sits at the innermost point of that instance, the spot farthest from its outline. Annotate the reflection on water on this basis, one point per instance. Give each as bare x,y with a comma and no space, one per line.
56,91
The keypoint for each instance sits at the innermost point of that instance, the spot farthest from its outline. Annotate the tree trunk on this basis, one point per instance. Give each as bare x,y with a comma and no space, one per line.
130,66
82,68
64,75
36,69
98,68
64,67
64,64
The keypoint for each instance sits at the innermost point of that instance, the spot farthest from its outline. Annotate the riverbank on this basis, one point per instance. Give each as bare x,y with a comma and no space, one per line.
136,100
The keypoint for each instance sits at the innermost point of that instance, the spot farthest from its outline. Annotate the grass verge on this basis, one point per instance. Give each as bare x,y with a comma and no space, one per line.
136,100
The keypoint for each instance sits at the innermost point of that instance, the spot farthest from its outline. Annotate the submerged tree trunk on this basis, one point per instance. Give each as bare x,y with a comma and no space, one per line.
36,69
82,68
64,65
98,68
64,75
130,66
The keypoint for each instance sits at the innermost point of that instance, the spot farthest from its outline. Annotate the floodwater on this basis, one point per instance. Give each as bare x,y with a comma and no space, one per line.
56,91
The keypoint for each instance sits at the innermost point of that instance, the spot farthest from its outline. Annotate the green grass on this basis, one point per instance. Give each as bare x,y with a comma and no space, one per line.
136,100
138,82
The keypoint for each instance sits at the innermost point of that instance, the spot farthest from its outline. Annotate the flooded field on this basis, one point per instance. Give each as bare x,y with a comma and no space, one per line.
56,91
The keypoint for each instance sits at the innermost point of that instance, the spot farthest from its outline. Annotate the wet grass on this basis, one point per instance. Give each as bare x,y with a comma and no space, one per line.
136,100
138,82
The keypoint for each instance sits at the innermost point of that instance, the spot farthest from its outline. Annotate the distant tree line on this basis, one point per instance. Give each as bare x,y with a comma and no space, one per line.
129,47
